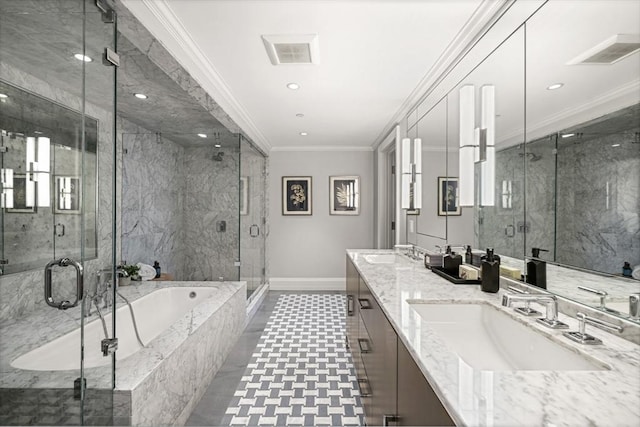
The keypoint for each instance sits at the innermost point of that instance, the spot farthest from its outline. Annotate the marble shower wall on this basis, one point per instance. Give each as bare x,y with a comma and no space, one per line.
152,200
599,202
591,220
211,196
21,293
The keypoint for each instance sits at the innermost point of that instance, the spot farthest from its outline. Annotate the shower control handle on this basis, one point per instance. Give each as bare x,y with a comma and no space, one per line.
254,230
48,288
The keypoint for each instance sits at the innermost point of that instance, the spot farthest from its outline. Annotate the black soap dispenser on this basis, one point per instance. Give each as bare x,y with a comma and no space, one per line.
468,256
490,271
451,262
537,269
156,266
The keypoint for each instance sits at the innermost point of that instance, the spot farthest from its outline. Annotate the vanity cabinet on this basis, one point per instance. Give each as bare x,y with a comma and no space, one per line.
393,389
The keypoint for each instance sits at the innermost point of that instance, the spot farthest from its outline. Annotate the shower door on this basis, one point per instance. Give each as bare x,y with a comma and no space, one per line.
252,192
57,115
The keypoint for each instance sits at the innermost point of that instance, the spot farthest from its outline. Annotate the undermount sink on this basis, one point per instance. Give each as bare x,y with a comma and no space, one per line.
384,258
487,338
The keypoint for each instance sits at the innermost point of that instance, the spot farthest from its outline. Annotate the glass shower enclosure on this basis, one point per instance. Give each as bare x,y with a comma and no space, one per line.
57,120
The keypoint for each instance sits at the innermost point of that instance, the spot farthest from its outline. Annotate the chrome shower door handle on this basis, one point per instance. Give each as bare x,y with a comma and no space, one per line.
48,291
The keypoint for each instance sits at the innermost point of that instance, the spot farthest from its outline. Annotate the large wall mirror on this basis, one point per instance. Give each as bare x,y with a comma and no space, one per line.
49,201
563,132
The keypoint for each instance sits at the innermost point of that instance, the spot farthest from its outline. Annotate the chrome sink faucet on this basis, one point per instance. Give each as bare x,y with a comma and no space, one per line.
582,337
550,301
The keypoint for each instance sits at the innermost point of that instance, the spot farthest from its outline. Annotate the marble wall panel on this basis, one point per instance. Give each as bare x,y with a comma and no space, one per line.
152,200
211,196
22,293
599,202
584,209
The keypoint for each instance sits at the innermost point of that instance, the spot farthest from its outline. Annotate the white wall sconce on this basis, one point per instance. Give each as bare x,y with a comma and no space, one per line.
38,171
6,177
477,145
411,173
64,193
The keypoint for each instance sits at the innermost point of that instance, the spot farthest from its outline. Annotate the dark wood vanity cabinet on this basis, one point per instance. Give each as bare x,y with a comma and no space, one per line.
393,389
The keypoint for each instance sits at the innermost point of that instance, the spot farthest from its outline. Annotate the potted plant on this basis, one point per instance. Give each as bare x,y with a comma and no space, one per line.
132,274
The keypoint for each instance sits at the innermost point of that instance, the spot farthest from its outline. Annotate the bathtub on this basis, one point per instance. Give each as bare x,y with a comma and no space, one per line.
186,341
154,312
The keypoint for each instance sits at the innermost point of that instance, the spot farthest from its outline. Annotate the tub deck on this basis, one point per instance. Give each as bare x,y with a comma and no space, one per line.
156,385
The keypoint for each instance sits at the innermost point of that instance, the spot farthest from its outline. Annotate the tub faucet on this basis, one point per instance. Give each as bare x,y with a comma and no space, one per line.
550,301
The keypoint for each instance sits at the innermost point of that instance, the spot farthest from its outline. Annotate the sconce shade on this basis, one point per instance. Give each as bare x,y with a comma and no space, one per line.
466,154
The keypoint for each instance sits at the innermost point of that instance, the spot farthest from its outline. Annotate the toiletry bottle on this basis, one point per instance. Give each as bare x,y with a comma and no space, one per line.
468,256
490,273
156,265
626,269
451,263
537,269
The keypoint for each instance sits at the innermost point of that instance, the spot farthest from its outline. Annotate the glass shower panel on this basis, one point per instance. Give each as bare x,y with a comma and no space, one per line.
182,208
252,216
50,128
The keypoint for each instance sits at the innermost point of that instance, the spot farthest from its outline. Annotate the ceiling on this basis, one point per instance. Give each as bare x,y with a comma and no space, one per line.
373,55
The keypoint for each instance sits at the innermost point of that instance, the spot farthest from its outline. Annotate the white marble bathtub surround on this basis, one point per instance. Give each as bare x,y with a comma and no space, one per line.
162,380
505,398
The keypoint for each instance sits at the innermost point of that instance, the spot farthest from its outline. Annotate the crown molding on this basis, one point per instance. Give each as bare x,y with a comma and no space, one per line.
205,73
621,97
485,15
324,148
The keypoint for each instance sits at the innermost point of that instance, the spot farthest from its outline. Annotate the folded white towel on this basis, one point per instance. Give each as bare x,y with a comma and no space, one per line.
147,272
636,272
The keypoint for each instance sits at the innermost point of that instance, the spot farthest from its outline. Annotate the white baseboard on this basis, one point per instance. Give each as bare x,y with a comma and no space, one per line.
307,283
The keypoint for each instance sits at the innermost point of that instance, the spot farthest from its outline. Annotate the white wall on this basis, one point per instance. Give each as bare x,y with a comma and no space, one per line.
308,252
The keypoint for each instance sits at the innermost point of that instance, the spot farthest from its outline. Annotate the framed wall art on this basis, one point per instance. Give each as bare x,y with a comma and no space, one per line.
20,195
296,195
67,194
448,202
344,195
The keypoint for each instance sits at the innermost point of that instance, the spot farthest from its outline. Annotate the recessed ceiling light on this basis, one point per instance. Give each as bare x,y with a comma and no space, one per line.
217,145
568,135
37,132
555,86
202,135
2,95
615,145
140,95
293,86
81,57
300,115
303,134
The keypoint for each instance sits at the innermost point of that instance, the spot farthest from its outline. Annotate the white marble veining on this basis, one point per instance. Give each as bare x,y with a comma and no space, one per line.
505,398
164,379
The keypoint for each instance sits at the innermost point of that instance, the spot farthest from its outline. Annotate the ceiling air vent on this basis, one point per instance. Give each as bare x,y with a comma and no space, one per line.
609,51
292,49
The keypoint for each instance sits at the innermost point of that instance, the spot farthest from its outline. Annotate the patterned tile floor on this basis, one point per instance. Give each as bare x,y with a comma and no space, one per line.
300,372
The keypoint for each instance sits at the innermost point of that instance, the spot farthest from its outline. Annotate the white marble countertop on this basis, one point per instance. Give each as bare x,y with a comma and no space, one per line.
505,398
25,334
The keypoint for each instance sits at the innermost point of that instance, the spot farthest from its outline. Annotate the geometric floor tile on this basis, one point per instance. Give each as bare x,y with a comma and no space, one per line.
300,374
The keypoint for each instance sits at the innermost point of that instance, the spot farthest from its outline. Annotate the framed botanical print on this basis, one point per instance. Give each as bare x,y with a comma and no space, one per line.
344,195
20,195
448,201
296,195
68,194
